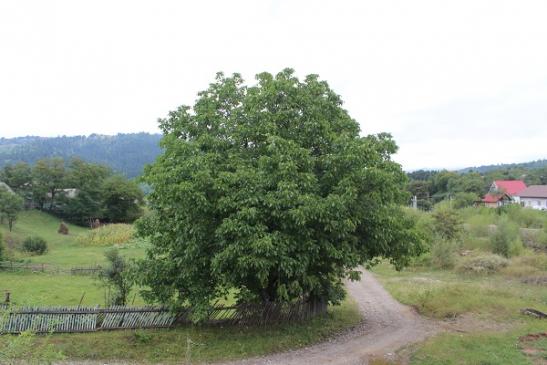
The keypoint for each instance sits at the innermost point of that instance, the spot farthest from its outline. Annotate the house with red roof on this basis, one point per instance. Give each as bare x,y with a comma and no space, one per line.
503,192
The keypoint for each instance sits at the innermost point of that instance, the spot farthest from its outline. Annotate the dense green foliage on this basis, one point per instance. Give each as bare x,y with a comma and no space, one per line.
116,277
126,154
10,206
77,191
269,190
505,239
35,245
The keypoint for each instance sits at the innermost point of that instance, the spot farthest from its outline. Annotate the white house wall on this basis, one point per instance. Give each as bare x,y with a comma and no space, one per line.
535,203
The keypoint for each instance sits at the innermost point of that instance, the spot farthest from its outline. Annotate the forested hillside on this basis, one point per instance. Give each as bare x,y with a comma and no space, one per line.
124,153
508,166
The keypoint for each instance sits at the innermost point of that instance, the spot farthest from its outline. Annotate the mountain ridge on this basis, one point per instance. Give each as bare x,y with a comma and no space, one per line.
125,153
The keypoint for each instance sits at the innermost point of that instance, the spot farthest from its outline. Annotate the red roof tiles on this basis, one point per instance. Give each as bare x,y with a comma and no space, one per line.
511,187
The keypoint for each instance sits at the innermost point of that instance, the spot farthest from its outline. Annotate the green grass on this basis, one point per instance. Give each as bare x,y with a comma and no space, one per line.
442,294
488,348
495,299
28,288
209,343
63,251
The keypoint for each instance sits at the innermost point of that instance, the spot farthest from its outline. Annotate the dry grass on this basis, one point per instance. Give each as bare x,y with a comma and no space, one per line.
107,235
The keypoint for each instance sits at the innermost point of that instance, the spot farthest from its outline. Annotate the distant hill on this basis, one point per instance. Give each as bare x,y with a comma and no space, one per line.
124,153
524,165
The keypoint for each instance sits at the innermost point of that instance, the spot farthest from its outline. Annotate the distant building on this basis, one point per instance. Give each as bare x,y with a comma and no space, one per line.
535,197
495,200
503,192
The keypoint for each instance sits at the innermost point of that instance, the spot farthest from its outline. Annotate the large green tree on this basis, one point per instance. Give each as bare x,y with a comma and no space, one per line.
270,190
10,206
18,177
88,179
121,199
48,177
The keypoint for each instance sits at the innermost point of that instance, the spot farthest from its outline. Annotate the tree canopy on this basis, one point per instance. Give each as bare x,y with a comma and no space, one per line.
270,190
77,191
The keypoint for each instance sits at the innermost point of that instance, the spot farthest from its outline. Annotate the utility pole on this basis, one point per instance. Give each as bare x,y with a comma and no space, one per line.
414,202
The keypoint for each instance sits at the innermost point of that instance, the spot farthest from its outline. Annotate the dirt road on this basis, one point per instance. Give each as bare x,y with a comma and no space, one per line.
388,326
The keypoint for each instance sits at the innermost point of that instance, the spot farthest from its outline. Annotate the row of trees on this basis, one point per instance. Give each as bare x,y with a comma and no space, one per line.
467,187
77,191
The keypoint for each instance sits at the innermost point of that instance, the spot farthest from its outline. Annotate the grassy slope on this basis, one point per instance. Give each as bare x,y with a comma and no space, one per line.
63,251
495,299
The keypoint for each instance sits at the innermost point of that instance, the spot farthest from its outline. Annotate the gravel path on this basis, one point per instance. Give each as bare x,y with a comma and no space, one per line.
387,327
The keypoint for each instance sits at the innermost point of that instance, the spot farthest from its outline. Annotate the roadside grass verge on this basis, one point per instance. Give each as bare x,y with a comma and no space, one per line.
204,343
442,294
494,299
485,348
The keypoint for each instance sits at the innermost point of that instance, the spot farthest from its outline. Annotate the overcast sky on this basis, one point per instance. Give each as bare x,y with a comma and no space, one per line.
458,83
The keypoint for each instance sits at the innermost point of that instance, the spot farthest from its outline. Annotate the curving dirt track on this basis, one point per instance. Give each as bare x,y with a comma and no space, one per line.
387,327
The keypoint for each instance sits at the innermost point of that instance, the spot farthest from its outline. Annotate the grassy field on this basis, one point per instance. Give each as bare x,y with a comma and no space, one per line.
63,252
491,304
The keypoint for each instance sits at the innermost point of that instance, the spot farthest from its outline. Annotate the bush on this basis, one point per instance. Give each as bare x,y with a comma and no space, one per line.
464,200
35,245
525,217
107,235
447,222
505,239
534,238
485,264
443,254
478,223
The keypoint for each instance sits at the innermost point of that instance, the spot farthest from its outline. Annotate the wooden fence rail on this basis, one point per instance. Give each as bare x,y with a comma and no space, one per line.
51,269
91,319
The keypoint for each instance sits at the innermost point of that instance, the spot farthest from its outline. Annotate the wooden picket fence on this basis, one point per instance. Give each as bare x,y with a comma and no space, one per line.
91,319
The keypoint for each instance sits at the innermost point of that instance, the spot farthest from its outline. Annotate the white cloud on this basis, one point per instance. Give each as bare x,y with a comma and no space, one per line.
423,70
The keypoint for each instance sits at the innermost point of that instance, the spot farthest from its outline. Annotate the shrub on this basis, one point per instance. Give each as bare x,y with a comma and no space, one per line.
443,254
484,264
524,217
464,200
423,224
35,245
534,238
117,278
107,235
505,239
478,223
448,223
